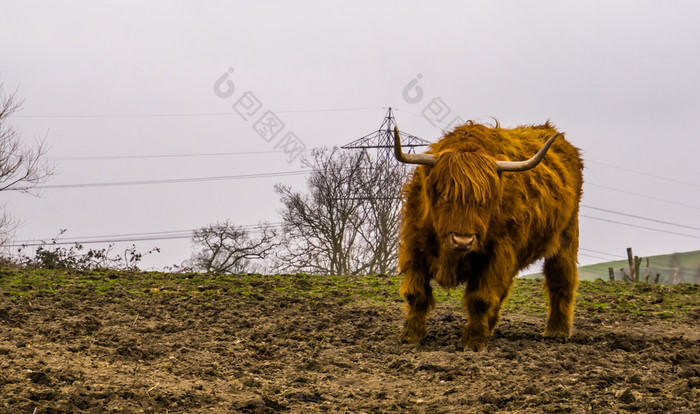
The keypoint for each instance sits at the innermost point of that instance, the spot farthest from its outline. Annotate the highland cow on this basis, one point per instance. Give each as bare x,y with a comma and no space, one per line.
475,213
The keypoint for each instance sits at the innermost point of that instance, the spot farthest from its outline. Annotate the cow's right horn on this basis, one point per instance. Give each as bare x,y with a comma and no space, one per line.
424,159
528,164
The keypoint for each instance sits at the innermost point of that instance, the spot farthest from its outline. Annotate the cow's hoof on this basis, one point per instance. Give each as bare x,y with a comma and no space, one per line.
474,345
408,337
560,333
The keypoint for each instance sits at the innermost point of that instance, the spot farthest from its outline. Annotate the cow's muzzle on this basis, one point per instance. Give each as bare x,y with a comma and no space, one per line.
462,241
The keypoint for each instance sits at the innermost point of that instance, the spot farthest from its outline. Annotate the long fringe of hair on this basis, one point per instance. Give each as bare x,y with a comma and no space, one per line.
466,177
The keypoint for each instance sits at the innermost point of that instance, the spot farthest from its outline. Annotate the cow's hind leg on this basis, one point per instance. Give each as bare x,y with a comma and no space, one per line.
561,279
416,291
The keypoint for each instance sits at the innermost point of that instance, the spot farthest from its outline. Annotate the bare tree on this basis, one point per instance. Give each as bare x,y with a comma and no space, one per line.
227,248
21,167
382,204
321,228
348,223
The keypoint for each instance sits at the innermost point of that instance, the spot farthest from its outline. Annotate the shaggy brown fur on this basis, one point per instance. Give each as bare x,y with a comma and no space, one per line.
516,218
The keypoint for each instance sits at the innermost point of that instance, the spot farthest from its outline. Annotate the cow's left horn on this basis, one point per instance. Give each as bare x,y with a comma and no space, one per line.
531,163
424,159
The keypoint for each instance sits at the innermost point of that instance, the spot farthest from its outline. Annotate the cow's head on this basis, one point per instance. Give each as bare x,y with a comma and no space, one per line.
462,191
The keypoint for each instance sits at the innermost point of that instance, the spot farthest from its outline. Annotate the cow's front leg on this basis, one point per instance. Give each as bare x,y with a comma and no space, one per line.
418,295
482,304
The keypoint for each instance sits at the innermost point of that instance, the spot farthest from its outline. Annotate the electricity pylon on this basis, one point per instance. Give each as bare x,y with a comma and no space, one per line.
383,141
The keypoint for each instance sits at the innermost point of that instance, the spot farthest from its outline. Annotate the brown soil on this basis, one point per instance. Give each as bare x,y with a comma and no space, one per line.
169,347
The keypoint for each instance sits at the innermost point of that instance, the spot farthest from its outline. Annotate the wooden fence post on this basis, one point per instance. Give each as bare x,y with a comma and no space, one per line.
630,261
637,267
611,274
646,272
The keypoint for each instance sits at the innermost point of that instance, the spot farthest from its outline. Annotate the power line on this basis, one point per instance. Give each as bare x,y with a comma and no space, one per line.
641,217
186,115
167,181
644,196
641,227
153,233
164,233
593,256
410,113
600,252
130,237
99,241
644,173
118,157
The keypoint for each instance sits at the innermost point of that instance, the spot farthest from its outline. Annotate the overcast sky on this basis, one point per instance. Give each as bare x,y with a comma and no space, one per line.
128,79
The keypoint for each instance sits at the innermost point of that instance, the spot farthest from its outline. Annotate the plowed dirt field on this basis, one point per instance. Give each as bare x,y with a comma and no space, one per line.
93,342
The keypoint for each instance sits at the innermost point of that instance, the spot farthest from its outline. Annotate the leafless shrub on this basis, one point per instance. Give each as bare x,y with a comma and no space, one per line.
227,248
